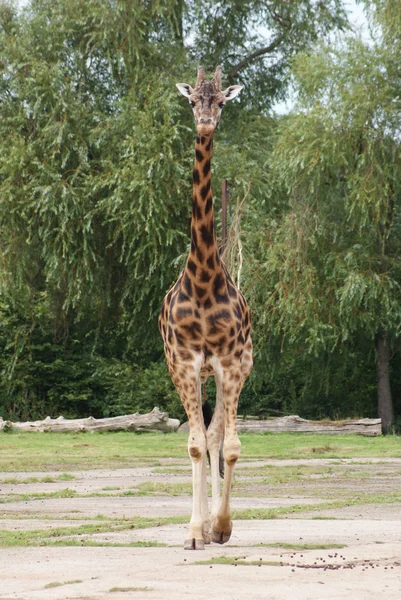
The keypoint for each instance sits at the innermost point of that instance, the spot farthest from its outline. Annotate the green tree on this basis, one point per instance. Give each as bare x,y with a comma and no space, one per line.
95,177
333,257
255,41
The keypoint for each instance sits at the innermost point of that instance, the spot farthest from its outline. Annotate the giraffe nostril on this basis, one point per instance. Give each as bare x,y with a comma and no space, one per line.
205,121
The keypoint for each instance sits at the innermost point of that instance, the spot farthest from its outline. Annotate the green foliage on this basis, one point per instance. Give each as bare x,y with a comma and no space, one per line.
95,183
251,38
324,275
336,253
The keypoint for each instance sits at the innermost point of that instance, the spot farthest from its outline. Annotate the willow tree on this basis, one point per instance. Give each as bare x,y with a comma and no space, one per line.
256,41
87,152
333,260
95,173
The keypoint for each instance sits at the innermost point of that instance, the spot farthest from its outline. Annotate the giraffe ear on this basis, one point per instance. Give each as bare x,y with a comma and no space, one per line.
232,91
185,89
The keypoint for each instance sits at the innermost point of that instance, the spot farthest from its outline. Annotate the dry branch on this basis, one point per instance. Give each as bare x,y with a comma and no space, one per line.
232,253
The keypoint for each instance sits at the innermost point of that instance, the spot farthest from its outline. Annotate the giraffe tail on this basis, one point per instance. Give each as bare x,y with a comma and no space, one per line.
207,412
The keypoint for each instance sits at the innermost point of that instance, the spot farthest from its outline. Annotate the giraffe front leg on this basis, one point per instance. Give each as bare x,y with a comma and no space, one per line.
199,526
204,507
222,526
231,387
214,435
198,535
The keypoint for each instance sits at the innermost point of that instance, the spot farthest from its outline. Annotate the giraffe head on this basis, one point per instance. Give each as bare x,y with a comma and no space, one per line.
207,100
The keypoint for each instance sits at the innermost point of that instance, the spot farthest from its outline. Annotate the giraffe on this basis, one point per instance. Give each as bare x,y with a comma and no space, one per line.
205,324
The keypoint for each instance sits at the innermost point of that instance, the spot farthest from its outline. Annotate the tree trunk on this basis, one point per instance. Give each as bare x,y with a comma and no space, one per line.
384,399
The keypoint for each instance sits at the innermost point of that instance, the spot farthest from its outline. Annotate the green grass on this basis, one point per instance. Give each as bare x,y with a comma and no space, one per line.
277,513
46,479
147,488
178,469
72,536
75,536
159,488
299,547
238,560
61,452
302,446
66,493
54,584
275,474
90,543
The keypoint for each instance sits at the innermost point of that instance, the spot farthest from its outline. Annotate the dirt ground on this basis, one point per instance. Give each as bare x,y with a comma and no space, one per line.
308,530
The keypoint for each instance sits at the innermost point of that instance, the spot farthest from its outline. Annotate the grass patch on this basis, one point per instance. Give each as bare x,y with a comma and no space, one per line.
299,446
72,536
178,469
45,479
238,560
277,513
266,514
147,488
299,547
159,488
63,452
66,493
274,474
54,584
39,516
277,475
90,543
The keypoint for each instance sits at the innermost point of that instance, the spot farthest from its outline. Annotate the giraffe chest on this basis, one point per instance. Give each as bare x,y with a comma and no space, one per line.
215,327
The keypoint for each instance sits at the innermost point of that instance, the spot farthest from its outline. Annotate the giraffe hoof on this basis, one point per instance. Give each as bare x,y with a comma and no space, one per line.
194,544
220,536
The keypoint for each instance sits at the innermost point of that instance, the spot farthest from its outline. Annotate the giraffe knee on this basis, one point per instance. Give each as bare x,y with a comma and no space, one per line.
196,447
195,453
231,451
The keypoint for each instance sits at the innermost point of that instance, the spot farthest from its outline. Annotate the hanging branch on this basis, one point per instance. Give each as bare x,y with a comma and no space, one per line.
232,253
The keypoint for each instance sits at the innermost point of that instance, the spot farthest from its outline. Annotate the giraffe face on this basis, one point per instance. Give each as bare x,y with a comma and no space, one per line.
207,100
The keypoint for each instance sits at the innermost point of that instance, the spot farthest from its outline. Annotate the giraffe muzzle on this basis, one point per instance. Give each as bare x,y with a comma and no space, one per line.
205,126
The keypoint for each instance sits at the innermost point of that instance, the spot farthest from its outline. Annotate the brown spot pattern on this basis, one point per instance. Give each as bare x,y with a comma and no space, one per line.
204,314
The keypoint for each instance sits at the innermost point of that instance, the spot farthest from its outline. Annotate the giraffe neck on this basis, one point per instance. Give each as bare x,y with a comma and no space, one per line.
204,256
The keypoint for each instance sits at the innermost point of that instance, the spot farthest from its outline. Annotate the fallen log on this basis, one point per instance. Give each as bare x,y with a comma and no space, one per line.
295,424
153,421
159,421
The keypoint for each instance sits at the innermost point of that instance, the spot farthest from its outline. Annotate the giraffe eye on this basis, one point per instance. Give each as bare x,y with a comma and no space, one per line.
192,103
221,104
